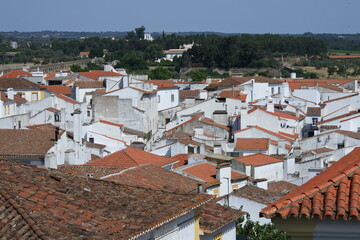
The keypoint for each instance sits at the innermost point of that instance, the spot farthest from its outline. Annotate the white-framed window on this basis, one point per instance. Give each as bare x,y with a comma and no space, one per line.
314,121
172,97
34,96
158,98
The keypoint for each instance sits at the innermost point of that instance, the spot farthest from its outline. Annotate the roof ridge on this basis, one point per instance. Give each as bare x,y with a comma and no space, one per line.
24,215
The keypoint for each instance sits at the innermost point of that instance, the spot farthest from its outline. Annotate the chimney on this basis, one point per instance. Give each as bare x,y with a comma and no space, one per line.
270,105
10,93
77,125
199,187
223,175
57,133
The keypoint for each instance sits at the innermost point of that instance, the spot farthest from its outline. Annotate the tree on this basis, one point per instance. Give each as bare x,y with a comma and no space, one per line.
153,52
161,73
331,70
198,76
140,31
255,231
76,68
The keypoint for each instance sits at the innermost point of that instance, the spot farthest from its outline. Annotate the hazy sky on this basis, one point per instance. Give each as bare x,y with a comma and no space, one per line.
230,16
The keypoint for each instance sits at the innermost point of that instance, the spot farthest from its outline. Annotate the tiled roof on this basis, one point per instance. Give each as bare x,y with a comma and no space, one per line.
90,171
134,132
229,94
67,99
282,187
84,53
213,216
183,94
257,194
298,83
51,109
162,84
207,172
182,124
252,143
95,74
234,81
131,157
182,160
154,177
69,81
332,87
17,83
209,121
313,111
258,159
279,135
332,194
351,113
351,134
62,206
59,89
95,145
89,84
15,74
30,143
50,76
189,142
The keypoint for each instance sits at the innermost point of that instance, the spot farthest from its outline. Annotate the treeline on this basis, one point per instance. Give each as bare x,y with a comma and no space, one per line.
251,50
136,54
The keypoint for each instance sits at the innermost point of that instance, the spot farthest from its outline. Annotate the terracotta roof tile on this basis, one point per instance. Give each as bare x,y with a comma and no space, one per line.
96,74
67,99
213,216
287,138
257,194
183,94
17,83
329,195
59,89
15,74
89,84
111,123
162,84
252,143
209,121
131,157
90,171
207,172
57,204
30,143
313,111
258,159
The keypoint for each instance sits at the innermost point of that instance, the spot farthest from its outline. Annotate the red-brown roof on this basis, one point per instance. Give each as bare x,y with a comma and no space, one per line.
89,84
298,83
67,99
29,143
50,204
207,172
258,159
90,171
50,76
213,123
17,83
111,123
351,113
162,84
279,135
183,94
252,143
131,157
332,194
15,74
59,89
96,74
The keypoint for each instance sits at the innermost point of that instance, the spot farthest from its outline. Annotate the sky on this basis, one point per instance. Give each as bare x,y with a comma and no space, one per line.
227,16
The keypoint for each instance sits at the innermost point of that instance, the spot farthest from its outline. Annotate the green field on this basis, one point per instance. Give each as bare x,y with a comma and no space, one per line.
343,51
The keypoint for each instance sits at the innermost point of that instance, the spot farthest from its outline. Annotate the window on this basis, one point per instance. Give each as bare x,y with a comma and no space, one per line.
91,139
57,117
19,124
34,96
172,97
314,121
88,113
158,98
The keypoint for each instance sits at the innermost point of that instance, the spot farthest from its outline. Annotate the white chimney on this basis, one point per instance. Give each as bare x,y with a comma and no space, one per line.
77,125
285,90
223,175
270,105
293,75
10,93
